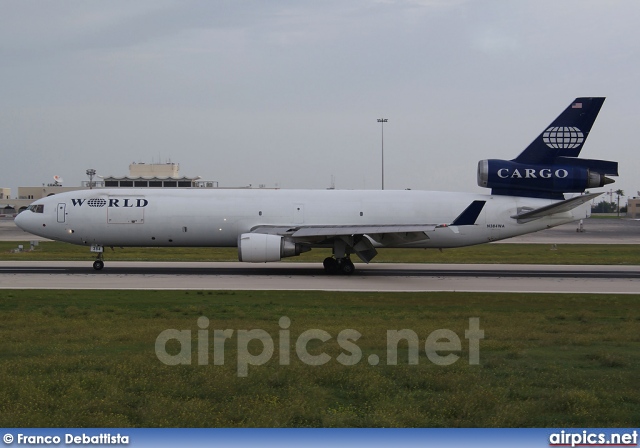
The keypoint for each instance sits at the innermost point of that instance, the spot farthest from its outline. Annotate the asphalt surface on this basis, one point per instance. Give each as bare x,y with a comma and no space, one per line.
217,269
305,276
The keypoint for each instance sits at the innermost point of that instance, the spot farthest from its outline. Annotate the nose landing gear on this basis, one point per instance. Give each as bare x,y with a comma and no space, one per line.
98,264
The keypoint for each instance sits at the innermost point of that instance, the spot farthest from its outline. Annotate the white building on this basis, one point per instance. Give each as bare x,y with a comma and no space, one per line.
153,175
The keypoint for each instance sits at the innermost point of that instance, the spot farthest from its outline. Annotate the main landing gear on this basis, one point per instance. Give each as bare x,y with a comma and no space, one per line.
341,262
337,266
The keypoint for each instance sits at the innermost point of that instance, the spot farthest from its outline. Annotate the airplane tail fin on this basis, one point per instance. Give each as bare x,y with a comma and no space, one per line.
549,166
566,135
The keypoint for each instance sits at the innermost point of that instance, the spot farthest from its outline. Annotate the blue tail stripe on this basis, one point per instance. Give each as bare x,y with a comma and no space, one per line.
470,214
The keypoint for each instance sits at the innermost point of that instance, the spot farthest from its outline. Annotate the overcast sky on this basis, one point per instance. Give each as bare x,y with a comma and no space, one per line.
287,93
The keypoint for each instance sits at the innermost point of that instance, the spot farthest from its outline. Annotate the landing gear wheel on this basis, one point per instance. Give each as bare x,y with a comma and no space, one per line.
330,265
341,266
98,265
347,267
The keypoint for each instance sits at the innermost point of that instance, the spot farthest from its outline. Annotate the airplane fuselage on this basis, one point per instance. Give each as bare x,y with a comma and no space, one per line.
216,218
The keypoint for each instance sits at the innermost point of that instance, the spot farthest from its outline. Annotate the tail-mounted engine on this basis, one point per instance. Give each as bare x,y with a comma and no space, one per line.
565,175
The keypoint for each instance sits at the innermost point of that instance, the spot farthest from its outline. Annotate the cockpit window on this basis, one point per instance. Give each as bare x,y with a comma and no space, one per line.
36,208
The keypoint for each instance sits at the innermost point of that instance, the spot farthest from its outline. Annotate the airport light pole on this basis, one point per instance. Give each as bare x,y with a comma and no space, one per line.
382,121
91,172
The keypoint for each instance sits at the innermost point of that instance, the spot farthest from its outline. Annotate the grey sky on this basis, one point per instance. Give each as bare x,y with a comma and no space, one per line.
288,92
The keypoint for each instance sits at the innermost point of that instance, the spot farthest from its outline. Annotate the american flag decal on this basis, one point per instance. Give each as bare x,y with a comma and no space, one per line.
576,106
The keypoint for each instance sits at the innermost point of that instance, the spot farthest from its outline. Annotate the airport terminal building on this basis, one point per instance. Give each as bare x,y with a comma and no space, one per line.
633,208
141,175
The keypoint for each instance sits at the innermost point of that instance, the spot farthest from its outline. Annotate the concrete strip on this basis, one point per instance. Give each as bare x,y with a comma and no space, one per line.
286,276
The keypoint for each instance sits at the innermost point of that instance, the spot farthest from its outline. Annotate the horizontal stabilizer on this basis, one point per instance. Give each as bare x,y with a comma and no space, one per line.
599,166
470,214
558,207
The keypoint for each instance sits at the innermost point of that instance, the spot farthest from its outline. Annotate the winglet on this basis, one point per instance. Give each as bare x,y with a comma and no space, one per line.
470,214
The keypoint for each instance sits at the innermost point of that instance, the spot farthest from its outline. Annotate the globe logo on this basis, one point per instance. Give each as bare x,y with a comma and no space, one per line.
560,137
97,202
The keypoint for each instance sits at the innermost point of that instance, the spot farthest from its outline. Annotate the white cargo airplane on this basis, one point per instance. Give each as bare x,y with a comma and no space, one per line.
267,225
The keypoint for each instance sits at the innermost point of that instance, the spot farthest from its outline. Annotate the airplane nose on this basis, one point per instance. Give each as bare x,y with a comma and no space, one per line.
19,220
23,221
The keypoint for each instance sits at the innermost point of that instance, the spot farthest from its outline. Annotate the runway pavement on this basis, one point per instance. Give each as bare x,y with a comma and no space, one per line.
305,276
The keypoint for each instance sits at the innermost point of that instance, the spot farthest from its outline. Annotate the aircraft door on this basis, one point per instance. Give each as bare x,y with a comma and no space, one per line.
62,207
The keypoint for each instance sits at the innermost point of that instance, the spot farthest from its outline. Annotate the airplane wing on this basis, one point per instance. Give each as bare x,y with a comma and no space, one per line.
526,215
359,237
331,231
467,217
360,230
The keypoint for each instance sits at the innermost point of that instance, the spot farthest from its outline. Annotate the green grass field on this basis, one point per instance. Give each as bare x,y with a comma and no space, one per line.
486,253
87,359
